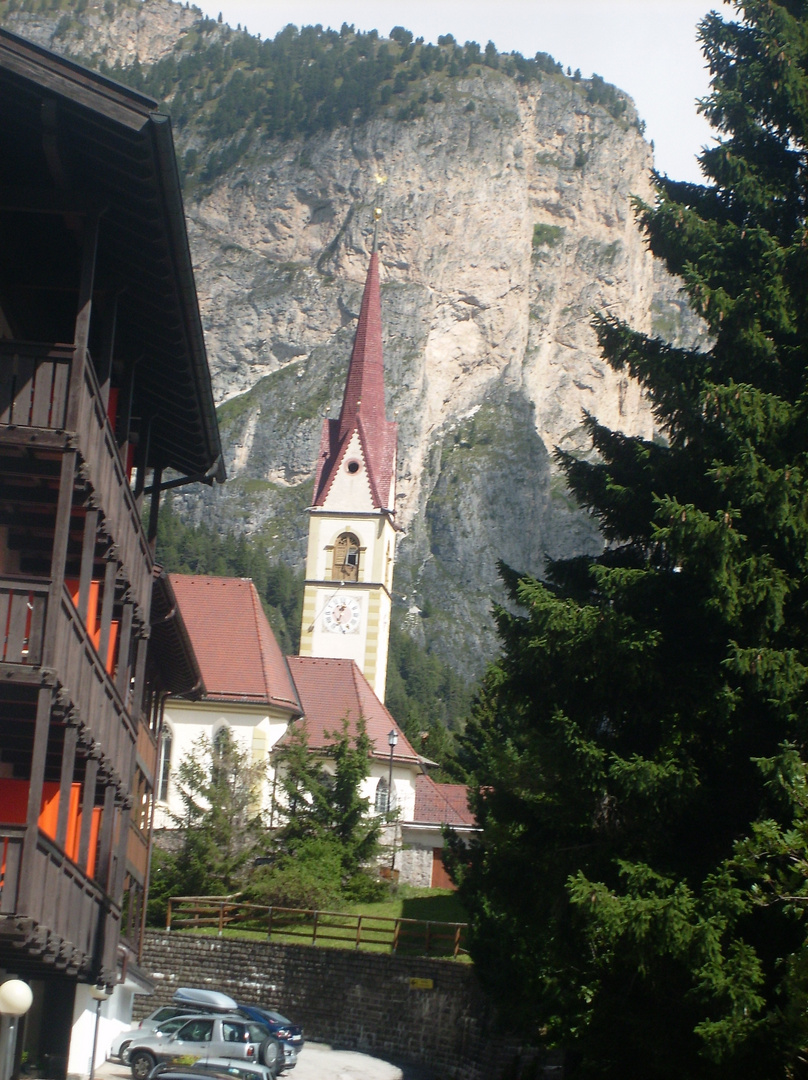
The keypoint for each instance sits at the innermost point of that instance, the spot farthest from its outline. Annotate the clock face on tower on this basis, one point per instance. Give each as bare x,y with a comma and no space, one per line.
342,615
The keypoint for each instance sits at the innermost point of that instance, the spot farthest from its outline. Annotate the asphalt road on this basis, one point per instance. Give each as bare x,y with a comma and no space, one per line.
316,1061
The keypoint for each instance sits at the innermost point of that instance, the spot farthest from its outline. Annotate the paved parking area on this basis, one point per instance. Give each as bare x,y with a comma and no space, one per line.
316,1061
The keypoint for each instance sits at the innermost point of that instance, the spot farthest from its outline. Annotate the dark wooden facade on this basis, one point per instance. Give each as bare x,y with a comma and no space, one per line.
104,386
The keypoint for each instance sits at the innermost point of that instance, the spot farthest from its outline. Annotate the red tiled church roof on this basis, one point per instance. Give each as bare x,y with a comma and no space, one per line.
331,690
363,408
237,652
441,804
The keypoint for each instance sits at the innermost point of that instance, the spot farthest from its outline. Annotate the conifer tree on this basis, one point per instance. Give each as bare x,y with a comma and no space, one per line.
638,893
324,816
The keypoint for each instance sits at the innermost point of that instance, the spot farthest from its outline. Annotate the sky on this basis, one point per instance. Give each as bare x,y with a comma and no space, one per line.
646,47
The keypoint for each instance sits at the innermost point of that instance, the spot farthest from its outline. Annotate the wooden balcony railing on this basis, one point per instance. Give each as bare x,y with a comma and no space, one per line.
147,752
34,383
23,604
99,448
137,851
11,838
63,900
92,692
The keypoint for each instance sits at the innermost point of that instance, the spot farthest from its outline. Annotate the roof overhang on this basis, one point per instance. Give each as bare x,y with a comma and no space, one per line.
171,649
76,143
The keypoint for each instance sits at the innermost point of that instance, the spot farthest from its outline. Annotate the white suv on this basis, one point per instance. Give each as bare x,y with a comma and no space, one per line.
207,1036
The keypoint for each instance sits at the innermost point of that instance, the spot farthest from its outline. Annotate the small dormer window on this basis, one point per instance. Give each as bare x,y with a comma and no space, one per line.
346,558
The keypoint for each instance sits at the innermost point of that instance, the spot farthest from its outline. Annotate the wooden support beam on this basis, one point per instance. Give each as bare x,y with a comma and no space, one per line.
105,839
123,843
65,783
141,461
124,652
154,508
107,607
61,536
107,354
140,676
37,779
81,334
124,421
87,561
87,804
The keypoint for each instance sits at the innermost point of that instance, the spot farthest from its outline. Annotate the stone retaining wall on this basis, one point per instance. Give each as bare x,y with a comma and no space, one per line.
430,1013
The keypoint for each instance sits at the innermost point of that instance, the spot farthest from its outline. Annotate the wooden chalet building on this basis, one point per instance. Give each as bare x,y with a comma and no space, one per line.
104,385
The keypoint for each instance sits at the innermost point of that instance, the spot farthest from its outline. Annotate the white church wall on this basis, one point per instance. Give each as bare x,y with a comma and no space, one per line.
256,729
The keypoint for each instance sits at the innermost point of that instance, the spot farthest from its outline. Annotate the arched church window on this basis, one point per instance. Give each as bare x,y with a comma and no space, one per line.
346,558
380,802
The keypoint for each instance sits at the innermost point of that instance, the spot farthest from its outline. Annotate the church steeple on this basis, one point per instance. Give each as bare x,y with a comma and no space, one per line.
347,600
363,408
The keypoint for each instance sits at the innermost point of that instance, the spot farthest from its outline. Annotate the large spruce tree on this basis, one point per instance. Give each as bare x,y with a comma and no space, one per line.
638,892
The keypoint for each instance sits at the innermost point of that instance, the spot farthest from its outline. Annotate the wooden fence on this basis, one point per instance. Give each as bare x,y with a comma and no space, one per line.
413,937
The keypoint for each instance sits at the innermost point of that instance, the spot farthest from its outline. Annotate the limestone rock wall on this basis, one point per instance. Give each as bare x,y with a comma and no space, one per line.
507,222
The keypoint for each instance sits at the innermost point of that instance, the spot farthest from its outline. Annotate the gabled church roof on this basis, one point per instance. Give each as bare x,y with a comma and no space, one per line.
363,408
333,690
238,655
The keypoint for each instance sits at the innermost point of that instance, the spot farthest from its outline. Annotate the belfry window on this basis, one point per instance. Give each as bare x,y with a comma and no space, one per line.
346,558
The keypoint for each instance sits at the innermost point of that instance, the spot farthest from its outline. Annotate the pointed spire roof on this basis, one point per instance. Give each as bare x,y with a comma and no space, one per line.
363,409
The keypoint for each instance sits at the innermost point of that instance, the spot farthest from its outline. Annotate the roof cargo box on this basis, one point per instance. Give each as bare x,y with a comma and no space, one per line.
204,1000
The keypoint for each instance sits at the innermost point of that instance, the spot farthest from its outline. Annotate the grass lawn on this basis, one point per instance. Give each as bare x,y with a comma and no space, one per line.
406,902
432,905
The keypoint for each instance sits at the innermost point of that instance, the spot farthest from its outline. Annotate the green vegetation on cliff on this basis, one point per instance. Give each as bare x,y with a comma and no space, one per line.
224,87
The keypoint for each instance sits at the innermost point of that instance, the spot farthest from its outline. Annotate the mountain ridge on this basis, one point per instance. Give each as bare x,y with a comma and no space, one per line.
507,223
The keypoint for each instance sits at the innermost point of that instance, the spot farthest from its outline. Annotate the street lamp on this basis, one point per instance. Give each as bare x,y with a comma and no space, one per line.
99,994
392,739
15,1001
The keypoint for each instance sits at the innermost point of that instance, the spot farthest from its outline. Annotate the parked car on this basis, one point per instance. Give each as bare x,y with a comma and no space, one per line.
212,1069
188,1002
281,1027
205,1036
119,1051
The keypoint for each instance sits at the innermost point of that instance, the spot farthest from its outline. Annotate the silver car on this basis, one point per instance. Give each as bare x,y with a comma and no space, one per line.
218,1067
119,1051
204,1037
188,1002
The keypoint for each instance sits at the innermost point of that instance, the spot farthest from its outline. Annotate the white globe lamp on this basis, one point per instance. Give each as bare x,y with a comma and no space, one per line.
15,997
15,1001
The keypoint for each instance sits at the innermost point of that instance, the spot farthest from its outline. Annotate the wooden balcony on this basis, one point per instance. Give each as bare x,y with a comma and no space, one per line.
91,692
35,385
147,753
60,918
23,605
85,683
137,852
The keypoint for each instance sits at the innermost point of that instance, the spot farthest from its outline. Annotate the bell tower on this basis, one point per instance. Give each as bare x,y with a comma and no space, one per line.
349,565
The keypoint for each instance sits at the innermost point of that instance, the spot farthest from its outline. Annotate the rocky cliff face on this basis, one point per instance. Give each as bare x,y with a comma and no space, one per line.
507,222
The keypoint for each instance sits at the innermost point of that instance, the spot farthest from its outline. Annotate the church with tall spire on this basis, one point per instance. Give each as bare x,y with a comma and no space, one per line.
351,551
